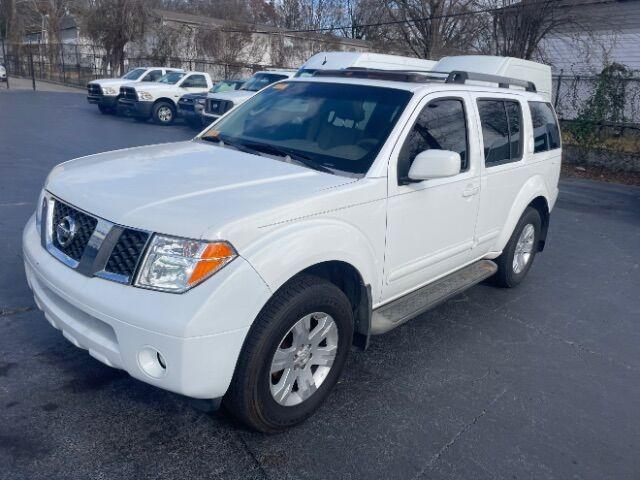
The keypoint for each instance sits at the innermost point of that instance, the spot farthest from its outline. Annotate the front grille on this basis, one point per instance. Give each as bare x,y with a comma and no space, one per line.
218,107
129,93
126,253
94,89
82,225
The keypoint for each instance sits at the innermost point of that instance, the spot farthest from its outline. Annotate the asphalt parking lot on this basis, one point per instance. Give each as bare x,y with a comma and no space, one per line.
542,381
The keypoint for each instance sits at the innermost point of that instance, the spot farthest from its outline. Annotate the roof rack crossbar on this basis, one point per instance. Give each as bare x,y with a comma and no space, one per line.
426,76
458,76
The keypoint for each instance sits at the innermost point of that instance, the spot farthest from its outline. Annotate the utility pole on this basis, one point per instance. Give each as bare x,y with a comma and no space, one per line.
33,74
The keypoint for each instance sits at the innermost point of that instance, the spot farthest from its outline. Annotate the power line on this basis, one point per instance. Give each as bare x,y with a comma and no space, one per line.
277,31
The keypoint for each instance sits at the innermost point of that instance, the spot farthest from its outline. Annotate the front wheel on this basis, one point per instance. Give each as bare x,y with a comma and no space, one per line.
164,113
516,259
293,355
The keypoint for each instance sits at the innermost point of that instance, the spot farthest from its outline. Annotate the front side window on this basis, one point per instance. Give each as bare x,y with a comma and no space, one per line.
546,134
171,78
261,80
134,74
501,131
441,125
195,81
336,127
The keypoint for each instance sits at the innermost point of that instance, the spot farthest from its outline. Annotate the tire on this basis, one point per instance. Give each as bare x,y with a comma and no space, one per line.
164,113
250,396
510,273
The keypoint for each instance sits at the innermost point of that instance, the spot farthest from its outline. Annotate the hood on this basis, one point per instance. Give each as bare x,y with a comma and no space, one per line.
190,189
236,96
111,82
194,96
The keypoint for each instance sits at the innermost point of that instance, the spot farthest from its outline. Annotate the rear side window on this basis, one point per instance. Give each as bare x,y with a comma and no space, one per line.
195,81
546,134
441,125
501,131
153,76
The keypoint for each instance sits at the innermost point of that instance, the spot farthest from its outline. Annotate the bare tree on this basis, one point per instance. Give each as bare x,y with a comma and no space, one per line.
519,26
431,28
113,24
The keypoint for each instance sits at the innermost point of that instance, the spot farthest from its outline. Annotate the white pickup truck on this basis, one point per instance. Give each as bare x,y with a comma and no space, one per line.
243,265
105,92
159,101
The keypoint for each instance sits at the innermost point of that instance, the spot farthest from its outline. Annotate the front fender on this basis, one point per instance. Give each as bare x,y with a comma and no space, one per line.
288,250
534,187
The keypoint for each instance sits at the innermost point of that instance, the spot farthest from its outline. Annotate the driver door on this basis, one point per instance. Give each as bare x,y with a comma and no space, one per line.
431,224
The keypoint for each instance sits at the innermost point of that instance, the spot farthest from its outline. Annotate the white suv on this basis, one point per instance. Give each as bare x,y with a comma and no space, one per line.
159,100
105,92
245,263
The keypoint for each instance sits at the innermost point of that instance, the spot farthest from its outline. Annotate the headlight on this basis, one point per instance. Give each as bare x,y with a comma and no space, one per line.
200,101
39,209
145,96
177,264
109,91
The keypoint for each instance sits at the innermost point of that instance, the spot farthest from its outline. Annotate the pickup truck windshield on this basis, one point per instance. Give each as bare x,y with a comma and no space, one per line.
134,74
171,78
261,80
335,126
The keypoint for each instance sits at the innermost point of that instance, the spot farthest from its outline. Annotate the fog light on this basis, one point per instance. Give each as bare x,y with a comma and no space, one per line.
152,362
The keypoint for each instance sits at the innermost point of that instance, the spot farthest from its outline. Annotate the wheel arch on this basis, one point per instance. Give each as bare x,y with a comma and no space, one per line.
165,99
534,193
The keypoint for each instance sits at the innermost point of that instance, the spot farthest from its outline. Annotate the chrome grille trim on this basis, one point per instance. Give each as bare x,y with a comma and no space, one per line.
98,249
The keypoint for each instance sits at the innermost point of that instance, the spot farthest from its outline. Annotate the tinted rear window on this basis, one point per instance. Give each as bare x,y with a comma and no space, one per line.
546,134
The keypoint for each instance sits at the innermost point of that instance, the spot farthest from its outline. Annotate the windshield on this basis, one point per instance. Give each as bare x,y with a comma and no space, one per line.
134,74
171,78
226,86
336,126
261,80
305,72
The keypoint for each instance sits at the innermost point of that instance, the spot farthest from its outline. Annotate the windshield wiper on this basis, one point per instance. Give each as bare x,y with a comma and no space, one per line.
224,141
295,156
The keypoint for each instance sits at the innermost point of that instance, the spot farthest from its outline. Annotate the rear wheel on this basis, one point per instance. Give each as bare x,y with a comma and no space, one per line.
518,255
293,355
164,113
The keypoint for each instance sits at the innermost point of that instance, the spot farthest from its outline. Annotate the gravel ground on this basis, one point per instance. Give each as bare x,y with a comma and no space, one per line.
541,381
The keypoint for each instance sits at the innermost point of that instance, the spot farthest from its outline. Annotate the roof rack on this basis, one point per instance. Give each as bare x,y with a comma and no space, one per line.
426,76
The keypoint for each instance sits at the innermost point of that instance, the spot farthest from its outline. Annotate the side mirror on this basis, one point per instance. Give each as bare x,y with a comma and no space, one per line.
434,164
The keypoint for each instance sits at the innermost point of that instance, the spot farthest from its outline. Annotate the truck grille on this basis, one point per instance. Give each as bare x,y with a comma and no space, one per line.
80,226
94,89
128,93
218,107
126,253
113,253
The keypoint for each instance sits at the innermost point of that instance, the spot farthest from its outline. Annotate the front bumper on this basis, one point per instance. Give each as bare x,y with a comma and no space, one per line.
135,108
199,334
104,100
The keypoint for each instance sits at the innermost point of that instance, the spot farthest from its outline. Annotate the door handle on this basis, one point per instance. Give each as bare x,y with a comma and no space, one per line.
470,191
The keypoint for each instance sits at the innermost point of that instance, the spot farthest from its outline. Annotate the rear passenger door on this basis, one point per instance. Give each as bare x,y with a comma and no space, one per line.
430,224
504,170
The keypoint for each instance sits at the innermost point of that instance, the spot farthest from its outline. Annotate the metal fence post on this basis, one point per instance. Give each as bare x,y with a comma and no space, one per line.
33,74
555,103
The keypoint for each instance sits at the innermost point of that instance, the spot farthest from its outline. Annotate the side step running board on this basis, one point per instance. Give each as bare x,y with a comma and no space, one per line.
403,309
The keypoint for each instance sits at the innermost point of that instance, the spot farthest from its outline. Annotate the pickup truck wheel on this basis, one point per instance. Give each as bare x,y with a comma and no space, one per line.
293,355
164,113
518,255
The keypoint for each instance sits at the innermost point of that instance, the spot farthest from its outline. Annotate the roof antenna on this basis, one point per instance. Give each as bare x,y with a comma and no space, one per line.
325,60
